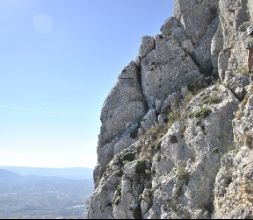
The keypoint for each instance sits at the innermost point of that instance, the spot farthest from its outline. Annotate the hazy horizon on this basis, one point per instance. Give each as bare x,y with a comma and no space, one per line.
44,194
6,166
59,61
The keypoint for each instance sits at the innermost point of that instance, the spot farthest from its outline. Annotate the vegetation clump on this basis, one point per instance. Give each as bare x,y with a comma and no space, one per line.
141,167
211,99
215,100
117,195
216,150
128,157
173,117
202,113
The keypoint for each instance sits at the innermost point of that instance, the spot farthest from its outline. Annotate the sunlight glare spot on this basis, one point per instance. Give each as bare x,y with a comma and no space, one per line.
43,23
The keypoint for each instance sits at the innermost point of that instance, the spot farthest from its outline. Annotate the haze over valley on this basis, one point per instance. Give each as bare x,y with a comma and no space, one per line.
44,193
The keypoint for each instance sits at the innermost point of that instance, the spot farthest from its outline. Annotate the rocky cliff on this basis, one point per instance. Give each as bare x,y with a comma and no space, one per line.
177,129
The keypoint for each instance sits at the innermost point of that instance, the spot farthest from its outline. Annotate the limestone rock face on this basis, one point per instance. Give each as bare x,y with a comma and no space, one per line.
200,20
190,154
176,141
202,52
234,20
234,186
195,16
123,106
166,69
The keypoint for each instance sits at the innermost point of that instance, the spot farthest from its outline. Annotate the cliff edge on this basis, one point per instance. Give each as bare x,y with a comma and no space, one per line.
177,129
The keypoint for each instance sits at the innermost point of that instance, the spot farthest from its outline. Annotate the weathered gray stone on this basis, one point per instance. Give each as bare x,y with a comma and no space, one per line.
173,29
188,46
190,156
228,76
162,119
170,25
148,44
124,105
171,103
223,62
165,69
202,52
140,132
233,197
234,18
184,91
158,105
195,16
238,85
149,120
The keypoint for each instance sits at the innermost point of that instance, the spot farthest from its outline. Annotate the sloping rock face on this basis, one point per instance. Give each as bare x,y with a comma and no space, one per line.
176,141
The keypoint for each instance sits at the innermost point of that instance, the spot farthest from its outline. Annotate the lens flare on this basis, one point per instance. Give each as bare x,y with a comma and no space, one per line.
43,23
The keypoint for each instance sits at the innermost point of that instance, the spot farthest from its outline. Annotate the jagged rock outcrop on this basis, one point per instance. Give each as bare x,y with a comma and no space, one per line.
176,141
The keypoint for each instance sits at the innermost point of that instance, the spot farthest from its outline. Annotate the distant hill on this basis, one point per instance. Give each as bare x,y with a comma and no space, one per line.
7,174
70,173
34,196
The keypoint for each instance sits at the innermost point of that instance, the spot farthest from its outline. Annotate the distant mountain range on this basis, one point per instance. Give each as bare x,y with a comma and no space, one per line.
70,173
44,193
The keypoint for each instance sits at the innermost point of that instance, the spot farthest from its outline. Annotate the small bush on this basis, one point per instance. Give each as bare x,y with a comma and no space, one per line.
173,117
159,158
128,157
215,100
118,190
216,150
202,113
117,195
140,167
168,34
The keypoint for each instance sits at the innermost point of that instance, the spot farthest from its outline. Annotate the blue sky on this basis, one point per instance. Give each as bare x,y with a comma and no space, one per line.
59,59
